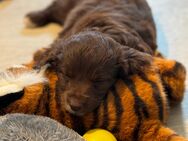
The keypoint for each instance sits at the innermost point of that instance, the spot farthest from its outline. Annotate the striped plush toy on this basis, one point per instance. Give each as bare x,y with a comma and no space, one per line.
135,109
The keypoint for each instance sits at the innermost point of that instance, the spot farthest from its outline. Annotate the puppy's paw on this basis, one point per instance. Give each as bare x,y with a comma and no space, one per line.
36,19
29,23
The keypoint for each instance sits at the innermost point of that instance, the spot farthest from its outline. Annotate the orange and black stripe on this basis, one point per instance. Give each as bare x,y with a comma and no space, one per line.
177,72
95,116
140,108
105,113
59,103
119,109
156,95
42,106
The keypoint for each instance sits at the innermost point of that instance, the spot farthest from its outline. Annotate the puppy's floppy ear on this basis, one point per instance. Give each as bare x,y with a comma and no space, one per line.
132,61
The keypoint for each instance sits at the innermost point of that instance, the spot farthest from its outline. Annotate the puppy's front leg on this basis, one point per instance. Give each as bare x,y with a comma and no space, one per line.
38,18
56,12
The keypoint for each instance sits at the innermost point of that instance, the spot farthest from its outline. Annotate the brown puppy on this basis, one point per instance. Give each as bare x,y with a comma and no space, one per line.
102,41
87,65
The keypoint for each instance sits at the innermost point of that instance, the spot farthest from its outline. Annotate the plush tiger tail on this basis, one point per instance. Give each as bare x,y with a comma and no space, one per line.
173,76
154,131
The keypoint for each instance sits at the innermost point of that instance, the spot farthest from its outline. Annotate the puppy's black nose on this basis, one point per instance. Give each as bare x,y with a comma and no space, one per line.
75,107
74,104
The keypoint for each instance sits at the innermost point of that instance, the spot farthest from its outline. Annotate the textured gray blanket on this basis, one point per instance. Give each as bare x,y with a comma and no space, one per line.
20,127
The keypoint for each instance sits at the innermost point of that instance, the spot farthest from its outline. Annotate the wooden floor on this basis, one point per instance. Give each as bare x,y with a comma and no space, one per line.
18,43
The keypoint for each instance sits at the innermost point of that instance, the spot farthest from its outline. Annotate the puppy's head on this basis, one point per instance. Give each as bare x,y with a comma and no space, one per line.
88,64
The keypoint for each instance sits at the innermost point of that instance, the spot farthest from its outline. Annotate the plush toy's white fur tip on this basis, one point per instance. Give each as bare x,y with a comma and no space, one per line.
12,83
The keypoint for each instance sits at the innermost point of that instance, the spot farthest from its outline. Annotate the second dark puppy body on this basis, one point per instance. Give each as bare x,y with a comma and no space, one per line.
129,22
102,41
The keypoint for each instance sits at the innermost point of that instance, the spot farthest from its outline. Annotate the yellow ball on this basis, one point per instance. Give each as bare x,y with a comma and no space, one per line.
99,135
